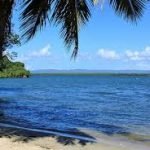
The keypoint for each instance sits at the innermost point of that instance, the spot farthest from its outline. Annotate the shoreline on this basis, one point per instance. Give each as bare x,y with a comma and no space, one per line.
25,138
75,135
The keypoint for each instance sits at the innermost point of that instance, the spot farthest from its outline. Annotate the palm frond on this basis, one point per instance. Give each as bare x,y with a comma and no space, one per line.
70,14
34,16
129,9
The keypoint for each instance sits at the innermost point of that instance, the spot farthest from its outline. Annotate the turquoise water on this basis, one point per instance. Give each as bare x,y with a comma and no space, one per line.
108,104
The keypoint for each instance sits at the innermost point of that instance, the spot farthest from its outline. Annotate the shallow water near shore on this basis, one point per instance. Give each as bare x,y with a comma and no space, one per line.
110,105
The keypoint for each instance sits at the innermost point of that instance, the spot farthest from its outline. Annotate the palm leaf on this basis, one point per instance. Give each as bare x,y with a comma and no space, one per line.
34,16
70,14
129,9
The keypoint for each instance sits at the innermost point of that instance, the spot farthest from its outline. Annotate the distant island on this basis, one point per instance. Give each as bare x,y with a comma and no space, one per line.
13,69
91,72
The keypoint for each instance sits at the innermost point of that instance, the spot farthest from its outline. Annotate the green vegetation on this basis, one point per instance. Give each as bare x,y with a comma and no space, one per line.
13,69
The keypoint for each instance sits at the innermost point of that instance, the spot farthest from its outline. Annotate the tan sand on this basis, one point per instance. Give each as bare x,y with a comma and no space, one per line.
24,140
50,144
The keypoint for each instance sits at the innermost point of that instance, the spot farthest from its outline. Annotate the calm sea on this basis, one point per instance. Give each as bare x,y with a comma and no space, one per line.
108,104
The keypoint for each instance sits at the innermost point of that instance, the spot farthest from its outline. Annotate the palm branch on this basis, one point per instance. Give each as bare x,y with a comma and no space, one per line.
70,14
129,9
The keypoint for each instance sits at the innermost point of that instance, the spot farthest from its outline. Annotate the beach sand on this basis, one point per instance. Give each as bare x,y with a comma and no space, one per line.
16,139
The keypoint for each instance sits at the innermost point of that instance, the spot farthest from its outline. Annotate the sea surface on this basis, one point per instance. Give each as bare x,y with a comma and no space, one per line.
67,103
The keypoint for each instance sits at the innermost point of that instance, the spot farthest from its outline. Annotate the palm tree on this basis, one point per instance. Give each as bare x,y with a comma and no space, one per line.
70,14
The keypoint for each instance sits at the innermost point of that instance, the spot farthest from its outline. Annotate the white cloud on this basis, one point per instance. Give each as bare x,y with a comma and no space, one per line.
108,54
44,52
138,55
128,55
132,55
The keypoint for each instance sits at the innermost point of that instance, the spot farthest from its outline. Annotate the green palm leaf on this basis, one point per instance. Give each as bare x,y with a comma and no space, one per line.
70,14
34,16
129,9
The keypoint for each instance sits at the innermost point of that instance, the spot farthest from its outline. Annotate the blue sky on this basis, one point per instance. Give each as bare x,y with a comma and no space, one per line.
107,42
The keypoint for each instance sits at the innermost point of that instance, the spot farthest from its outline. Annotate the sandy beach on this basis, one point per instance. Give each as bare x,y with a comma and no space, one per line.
17,139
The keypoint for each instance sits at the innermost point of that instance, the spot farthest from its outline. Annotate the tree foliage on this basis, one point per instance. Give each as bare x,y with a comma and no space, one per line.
13,69
12,39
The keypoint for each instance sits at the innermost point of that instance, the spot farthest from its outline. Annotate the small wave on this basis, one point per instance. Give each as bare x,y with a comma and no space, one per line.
103,93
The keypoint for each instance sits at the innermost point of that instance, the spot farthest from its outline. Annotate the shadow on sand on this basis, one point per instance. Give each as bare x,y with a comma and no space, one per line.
25,135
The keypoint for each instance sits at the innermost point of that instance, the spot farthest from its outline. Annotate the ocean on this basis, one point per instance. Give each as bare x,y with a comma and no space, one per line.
66,103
